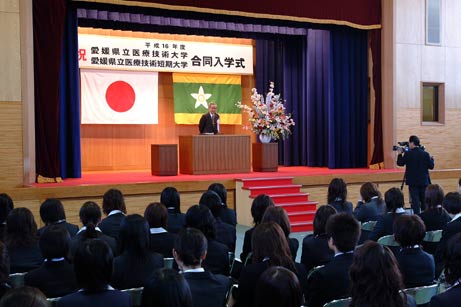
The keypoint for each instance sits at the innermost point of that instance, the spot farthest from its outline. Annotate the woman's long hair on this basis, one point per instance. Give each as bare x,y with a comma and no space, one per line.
134,237
434,197
337,192
375,277
269,242
21,228
368,190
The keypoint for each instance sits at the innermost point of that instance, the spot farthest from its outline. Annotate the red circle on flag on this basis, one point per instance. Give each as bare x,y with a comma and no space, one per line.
120,96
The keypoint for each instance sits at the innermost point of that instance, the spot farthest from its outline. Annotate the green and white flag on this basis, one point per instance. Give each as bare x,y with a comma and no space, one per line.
193,93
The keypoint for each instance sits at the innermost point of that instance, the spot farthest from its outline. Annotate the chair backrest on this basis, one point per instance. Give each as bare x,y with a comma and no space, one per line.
433,236
388,241
230,297
52,301
368,226
168,263
248,259
136,295
424,294
344,302
17,279
313,270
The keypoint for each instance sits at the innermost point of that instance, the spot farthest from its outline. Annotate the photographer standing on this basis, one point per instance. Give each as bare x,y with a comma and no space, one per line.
418,163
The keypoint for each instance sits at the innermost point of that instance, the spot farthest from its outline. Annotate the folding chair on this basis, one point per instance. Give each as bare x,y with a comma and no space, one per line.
368,226
423,294
388,241
313,270
136,295
433,236
344,302
168,263
17,279
230,299
52,301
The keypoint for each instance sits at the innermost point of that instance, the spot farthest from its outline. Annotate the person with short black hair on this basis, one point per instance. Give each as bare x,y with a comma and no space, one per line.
93,265
171,199
435,217
6,205
136,261
418,162
276,287
258,207
452,262
52,213
166,288
452,203
22,241
217,259
332,281
395,205
225,233
113,205
5,282
55,277
417,266
227,215
90,216
376,280
24,297
161,241
337,196
315,250
207,289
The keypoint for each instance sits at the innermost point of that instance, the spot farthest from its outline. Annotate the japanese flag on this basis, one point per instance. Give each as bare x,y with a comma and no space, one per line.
119,97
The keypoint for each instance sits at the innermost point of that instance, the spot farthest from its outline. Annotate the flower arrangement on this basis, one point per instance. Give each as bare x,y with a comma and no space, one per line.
267,115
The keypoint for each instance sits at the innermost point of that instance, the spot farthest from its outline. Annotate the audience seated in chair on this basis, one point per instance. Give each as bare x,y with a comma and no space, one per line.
52,213
55,277
279,216
417,266
166,288
90,216
276,287
435,217
337,196
395,207
270,248
217,259
376,279
227,215
5,283
93,265
225,233
315,249
161,241
24,297
452,263
258,208
22,241
207,288
171,199
332,281
6,205
136,261
113,205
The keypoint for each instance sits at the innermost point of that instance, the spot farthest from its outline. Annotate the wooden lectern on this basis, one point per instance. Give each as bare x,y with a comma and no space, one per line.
265,157
164,159
214,154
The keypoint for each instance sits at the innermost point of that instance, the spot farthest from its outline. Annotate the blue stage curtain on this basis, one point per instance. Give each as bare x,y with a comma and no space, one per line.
69,100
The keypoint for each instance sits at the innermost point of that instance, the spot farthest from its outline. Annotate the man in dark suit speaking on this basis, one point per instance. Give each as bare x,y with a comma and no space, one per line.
418,163
209,122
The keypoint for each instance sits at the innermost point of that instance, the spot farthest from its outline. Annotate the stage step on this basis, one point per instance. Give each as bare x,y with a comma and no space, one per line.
289,198
258,182
300,206
302,227
275,189
301,216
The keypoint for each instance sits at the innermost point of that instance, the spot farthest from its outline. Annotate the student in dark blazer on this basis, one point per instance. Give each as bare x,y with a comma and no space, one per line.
22,241
337,196
90,216
171,199
270,248
332,281
417,266
258,208
315,250
435,217
6,205
161,241
371,204
209,122
279,216
52,213
452,263
5,282
113,205
227,215
55,277
93,265
217,259
136,262
207,288
225,233
395,207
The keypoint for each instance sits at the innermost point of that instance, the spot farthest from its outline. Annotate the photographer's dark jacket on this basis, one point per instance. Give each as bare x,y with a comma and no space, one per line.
418,163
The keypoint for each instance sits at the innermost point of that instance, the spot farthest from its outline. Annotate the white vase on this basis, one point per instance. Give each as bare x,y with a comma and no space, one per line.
264,138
